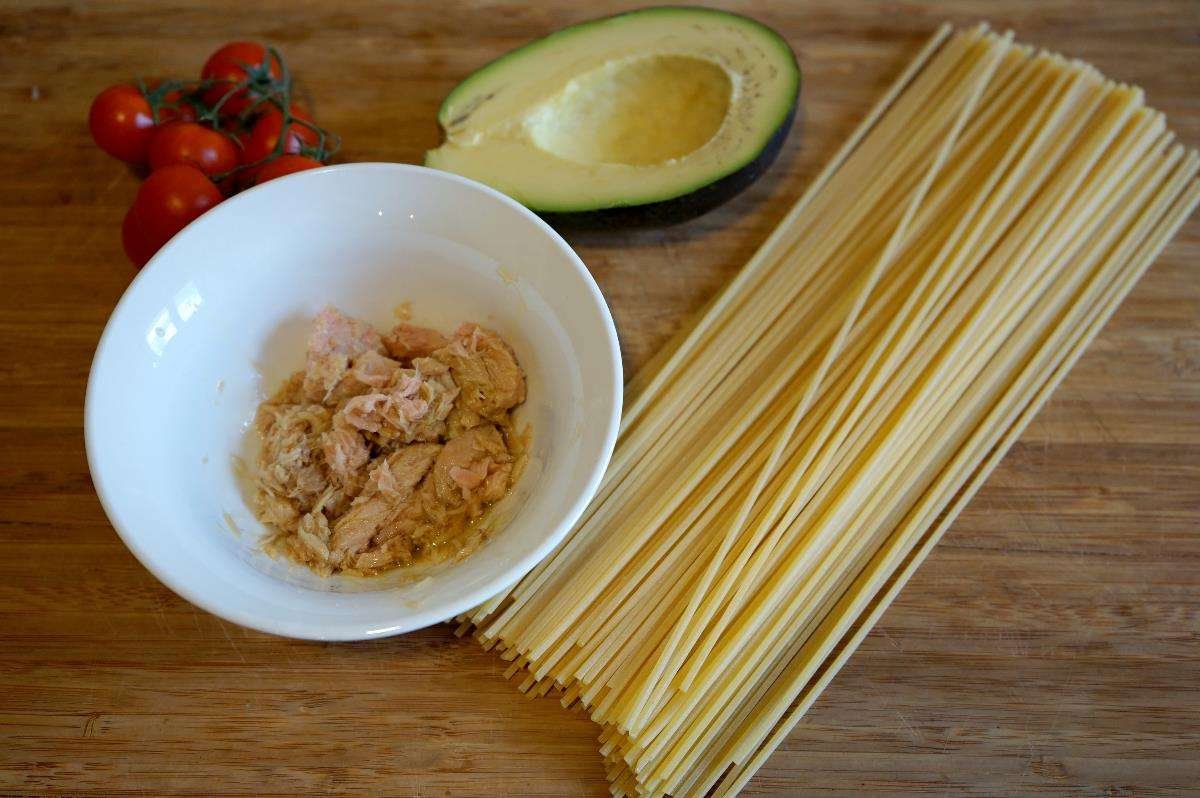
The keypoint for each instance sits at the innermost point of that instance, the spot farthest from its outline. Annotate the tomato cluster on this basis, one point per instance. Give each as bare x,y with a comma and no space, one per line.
204,140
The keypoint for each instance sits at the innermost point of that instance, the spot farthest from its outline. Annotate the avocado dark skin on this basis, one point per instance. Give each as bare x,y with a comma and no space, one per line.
679,209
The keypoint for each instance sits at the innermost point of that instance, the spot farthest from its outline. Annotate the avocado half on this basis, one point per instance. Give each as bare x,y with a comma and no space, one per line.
646,118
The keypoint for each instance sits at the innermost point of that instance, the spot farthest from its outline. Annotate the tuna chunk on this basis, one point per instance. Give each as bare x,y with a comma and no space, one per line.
345,453
412,406
473,469
365,412
289,461
460,420
276,510
424,521
485,370
388,488
400,471
335,341
335,333
366,373
382,556
311,543
406,341
414,514
373,369
437,393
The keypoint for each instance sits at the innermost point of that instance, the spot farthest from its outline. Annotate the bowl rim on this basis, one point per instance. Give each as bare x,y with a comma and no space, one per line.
351,629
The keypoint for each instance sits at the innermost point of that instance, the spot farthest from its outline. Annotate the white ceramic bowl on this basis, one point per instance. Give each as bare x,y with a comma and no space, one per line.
220,316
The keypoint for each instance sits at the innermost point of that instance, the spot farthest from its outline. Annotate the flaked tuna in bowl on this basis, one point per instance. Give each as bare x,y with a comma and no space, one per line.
225,318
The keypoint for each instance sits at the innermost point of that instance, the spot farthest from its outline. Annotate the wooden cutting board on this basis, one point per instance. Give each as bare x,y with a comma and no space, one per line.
1048,647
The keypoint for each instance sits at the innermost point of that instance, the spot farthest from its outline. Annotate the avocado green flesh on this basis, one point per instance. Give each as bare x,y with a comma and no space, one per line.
624,111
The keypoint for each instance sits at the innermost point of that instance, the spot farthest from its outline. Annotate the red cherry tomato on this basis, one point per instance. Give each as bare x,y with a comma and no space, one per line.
228,65
182,111
231,185
285,165
170,198
121,122
240,134
137,244
264,136
237,131
188,142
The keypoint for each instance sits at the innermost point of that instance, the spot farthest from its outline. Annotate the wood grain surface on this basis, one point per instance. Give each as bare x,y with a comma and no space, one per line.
1049,646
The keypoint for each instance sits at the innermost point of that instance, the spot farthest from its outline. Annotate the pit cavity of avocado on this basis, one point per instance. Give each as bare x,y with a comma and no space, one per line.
638,111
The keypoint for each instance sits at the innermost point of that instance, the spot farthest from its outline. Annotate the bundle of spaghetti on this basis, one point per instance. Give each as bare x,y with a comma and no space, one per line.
792,458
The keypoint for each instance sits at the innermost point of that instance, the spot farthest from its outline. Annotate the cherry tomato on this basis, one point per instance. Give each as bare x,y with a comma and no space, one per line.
233,127
264,136
137,244
232,184
228,65
170,198
121,122
285,165
188,142
182,111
